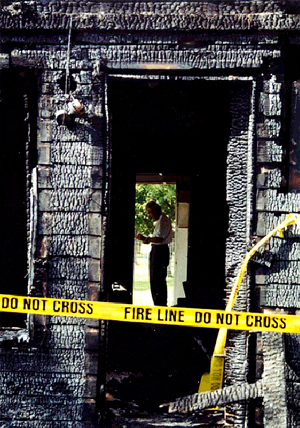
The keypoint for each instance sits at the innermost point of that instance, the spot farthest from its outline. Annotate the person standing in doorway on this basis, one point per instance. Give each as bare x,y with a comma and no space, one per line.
160,254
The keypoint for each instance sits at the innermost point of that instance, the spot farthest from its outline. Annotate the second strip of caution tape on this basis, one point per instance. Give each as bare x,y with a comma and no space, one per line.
205,318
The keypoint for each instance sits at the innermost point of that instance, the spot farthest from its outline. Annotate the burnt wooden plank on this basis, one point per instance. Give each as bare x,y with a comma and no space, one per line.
216,398
280,272
272,201
269,177
268,221
274,381
214,56
147,15
285,296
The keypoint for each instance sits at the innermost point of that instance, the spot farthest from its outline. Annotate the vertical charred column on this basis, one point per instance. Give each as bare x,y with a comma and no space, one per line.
69,232
239,199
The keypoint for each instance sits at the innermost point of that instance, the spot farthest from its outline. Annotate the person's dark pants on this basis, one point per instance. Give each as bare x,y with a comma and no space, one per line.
159,261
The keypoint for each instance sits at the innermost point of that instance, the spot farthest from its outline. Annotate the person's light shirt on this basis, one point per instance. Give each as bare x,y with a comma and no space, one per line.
163,229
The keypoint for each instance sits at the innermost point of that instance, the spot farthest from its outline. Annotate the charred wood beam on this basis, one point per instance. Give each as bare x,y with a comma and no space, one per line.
272,388
274,381
147,57
109,37
211,399
267,15
286,296
273,201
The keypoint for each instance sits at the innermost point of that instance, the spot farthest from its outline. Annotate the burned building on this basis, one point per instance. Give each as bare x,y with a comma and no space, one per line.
202,94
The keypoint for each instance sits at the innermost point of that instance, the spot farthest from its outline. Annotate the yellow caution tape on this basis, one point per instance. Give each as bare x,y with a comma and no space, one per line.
205,318
215,378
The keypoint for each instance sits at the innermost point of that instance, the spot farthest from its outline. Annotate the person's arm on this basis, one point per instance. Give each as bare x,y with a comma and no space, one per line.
149,239
153,239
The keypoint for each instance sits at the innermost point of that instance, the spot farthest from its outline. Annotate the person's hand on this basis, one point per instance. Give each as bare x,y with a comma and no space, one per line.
145,239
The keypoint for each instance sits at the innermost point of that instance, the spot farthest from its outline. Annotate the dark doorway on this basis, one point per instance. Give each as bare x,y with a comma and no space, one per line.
172,128
179,129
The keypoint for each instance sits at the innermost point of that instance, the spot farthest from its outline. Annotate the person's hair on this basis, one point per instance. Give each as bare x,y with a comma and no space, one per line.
154,206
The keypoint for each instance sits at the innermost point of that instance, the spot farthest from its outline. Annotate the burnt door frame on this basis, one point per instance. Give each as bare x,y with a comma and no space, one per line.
240,190
240,161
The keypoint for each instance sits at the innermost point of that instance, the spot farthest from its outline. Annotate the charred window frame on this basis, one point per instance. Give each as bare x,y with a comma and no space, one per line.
294,160
17,161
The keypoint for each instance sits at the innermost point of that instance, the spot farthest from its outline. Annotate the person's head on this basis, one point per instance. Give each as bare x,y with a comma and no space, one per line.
153,210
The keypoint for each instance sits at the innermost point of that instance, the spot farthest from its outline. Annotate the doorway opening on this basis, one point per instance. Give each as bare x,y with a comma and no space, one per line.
165,195
173,131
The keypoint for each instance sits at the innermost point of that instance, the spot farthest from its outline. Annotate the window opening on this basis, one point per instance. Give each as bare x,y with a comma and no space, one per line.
17,158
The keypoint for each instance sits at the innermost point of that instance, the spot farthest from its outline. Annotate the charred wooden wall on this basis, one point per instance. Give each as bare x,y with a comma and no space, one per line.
51,375
48,370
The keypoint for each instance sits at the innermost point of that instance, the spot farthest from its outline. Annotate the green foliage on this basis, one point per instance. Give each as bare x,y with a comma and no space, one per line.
163,194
